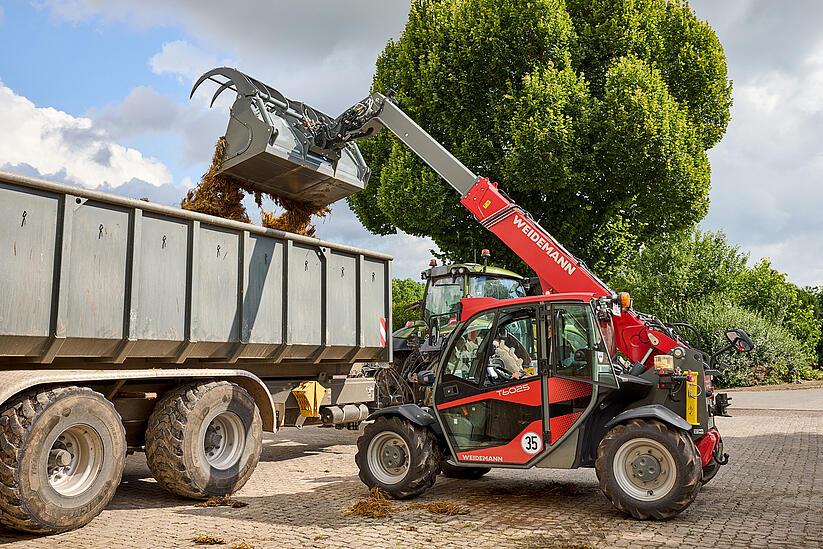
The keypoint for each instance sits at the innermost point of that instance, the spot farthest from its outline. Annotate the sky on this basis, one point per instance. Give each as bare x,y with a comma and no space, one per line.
96,93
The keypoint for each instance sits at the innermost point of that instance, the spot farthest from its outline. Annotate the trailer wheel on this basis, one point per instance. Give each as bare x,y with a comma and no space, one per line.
398,457
204,439
648,469
467,473
62,452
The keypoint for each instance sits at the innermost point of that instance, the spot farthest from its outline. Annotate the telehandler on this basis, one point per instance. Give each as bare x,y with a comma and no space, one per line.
573,377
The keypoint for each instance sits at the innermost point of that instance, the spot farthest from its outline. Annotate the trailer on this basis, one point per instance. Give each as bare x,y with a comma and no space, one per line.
130,326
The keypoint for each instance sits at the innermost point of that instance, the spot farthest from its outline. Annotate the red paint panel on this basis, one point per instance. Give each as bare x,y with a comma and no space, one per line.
512,452
560,424
527,394
561,390
706,445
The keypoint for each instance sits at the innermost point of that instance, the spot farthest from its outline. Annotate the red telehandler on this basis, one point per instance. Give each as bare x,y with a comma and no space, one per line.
574,377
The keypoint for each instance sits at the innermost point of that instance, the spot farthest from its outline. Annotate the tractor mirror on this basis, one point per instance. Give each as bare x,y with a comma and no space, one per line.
426,378
740,340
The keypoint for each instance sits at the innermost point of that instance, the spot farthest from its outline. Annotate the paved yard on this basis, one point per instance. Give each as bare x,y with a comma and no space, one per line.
770,495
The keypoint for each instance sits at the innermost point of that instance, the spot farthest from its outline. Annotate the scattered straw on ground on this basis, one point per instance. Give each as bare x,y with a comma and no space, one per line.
222,501
241,545
222,195
374,506
443,507
207,539
546,542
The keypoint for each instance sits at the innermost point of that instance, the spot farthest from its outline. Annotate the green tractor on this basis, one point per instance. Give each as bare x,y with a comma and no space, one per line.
446,285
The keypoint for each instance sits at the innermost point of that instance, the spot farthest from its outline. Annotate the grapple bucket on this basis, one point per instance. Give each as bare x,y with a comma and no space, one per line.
270,144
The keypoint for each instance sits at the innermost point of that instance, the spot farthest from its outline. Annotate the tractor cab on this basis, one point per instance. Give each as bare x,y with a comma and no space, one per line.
446,285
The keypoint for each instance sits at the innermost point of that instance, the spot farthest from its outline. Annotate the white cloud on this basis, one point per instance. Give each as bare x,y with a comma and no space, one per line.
767,170
54,142
182,59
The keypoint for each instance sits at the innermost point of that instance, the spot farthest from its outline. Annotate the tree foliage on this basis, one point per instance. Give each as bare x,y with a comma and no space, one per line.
593,115
405,293
675,276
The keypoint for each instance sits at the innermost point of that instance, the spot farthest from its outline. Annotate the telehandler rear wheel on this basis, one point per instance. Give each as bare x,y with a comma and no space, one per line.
204,439
648,469
62,452
400,458
467,473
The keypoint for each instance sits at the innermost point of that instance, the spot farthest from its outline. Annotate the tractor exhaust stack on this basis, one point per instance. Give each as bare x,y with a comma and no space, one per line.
271,144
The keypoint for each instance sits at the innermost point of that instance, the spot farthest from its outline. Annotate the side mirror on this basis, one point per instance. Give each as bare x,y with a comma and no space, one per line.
740,340
426,378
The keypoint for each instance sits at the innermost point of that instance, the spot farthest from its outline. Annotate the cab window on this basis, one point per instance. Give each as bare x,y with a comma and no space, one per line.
513,351
498,288
573,337
467,356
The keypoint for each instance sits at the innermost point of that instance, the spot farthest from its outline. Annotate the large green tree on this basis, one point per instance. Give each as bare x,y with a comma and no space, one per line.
594,115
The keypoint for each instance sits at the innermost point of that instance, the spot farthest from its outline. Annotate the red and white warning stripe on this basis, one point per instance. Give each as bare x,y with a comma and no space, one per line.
382,331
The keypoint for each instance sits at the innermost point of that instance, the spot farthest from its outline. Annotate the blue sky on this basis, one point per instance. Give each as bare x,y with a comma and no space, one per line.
95,92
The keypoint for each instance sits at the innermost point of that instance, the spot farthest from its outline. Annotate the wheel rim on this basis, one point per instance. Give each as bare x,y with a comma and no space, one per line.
75,460
644,469
388,457
224,440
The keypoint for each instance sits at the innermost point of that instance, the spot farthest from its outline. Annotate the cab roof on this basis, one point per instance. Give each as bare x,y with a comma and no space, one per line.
470,306
471,268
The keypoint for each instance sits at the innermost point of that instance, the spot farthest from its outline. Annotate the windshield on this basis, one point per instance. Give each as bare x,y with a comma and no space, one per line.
498,288
443,296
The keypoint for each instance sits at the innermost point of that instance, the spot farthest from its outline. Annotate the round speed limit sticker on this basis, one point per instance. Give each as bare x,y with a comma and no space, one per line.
531,443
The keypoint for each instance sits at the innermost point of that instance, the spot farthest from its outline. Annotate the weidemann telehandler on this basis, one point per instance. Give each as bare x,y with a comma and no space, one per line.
573,377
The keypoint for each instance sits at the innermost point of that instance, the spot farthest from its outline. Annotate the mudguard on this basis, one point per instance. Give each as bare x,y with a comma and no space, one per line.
655,411
412,412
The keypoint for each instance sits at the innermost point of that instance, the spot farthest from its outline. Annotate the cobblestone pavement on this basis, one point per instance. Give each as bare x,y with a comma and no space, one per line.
770,495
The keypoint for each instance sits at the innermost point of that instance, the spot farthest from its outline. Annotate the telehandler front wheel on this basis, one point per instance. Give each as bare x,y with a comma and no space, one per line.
204,439
62,452
648,469
398,457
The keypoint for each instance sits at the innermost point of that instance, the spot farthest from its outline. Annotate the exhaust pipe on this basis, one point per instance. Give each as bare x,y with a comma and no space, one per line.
271,144
350,413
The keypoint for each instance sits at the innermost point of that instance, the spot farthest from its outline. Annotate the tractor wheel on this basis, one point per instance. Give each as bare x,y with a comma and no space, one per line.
467,473
648,469
400,458
204,439
62,452
710,470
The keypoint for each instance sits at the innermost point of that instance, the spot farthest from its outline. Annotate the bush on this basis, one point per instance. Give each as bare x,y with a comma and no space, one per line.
775,355
405,293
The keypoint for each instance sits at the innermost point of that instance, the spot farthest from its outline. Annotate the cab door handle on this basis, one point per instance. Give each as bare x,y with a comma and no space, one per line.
450,390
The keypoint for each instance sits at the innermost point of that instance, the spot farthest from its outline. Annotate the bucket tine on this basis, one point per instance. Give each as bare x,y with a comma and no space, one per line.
270,144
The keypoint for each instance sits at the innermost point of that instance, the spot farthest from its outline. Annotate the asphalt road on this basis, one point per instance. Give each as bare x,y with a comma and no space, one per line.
801,399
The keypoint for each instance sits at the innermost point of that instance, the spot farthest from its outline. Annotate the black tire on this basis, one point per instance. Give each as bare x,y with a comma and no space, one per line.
179,431
710,470
467,473
40,495
682,451
422,463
